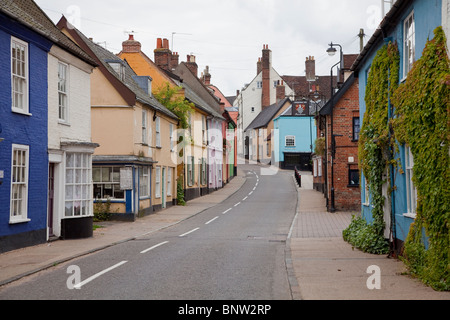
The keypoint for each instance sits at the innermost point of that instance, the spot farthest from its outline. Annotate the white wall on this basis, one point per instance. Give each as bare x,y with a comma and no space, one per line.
78,127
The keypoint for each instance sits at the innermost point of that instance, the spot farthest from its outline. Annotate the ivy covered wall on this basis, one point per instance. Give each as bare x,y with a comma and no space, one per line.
412,111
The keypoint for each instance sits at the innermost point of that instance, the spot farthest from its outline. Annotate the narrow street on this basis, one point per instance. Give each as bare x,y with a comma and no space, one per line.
233,251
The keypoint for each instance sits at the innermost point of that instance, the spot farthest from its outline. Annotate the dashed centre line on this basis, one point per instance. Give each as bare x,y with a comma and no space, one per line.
237,204
212,220
185,234
154,247
225,212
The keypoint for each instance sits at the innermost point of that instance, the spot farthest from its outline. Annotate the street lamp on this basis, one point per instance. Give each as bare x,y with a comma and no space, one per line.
331,52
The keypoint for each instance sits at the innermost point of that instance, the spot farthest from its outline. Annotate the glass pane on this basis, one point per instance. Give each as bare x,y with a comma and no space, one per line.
96,174
119,194
106,174
78,175
69,176
116,174
77,208
70,160
69,192
98,191
78,160
69,209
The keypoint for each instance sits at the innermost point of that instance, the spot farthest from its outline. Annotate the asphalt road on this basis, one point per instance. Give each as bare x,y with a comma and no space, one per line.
233,251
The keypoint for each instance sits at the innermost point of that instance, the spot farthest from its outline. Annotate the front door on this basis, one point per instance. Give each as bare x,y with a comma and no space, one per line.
51,196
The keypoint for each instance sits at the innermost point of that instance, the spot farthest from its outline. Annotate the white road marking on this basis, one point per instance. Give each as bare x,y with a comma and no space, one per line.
79,285
245,199
212,220
154,247
250,193
225,212
185,234
237,204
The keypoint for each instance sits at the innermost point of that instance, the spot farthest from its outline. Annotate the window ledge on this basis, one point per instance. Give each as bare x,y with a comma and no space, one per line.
19,111
64,123
17,221
410,215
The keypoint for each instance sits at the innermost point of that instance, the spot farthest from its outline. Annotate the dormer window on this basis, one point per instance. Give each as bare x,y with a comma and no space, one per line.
119,68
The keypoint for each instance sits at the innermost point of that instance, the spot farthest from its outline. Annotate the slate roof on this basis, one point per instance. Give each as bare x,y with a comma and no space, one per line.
266,115
105,56
347,84
28,13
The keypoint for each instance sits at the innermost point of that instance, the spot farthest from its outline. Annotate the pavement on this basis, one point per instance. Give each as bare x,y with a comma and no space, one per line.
320,264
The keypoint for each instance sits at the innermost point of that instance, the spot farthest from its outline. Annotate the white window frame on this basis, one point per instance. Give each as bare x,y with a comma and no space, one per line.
411,191
78,197
204,135
144,182
171,137
291,138
112,183
144,127
19,198
409,43
158,131
158,182
22,77
63,95
169,181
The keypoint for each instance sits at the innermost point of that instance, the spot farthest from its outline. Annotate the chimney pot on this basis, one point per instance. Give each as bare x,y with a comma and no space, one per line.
158,43
131,37
165,44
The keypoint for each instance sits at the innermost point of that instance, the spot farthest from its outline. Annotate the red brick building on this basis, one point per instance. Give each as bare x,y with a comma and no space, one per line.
336,163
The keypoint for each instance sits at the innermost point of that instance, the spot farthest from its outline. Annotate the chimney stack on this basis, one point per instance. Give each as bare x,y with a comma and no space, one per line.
206,76
266,64
191,64
131,45
310,69
163,55
281,91
258,66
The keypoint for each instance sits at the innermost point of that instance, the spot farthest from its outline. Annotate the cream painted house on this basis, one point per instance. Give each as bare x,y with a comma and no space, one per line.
132,169
70,147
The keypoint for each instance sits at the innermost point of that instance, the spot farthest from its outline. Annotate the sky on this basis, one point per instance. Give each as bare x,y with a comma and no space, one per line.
228,35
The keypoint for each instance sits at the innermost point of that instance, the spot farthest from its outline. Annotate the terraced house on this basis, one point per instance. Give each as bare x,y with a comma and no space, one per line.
132,169
408,56
45,151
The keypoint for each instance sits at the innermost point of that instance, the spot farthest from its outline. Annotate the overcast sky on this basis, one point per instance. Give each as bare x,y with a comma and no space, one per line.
228,35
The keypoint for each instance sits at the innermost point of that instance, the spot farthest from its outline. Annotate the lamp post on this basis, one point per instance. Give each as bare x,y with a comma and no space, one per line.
331,52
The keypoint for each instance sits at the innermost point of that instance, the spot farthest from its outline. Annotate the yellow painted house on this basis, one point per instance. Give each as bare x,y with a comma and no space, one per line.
132,170
192,154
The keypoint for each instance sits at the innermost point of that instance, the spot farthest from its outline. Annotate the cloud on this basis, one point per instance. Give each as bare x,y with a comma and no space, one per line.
228,35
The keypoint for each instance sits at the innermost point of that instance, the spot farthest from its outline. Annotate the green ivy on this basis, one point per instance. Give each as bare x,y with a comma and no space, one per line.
375,147
172,99
422,108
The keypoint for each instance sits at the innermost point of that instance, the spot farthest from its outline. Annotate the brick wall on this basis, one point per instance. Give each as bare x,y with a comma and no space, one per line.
347,196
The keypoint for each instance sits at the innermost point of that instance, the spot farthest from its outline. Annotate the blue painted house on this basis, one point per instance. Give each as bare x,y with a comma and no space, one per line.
295,135
23,117
27,37
409,23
